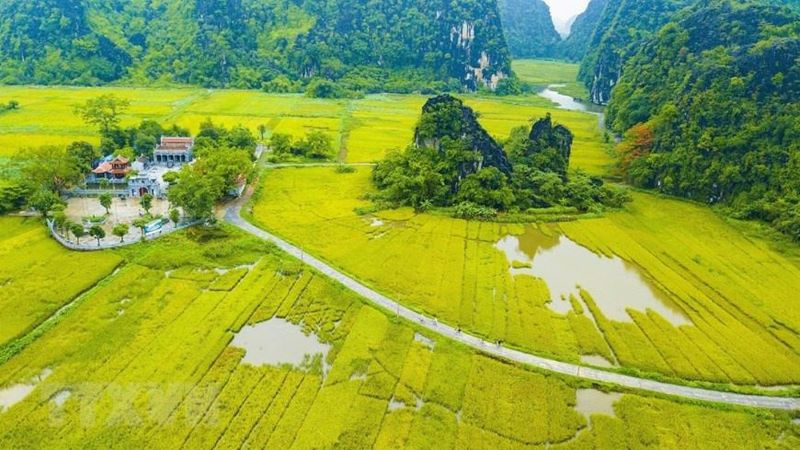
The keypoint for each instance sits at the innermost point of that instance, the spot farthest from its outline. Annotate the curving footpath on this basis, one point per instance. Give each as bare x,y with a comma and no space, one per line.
233,215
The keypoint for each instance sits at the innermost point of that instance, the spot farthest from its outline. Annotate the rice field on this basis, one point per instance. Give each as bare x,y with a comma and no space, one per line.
146,361
737,293
38,276
364,129
543,73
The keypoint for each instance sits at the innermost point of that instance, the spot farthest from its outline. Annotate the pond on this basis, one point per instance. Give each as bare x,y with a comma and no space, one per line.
614,284
278,342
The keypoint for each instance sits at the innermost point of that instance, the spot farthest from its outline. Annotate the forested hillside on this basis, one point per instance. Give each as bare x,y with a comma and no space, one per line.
711,106
392,45
622,26
528,28
574,47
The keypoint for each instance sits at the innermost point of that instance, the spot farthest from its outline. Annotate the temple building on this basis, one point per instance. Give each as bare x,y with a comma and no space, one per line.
174,151
113,169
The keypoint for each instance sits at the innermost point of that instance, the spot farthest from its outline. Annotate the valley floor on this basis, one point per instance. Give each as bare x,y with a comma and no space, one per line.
151,349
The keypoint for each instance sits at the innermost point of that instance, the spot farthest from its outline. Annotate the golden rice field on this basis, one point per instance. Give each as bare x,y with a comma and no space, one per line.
364,129
146,361
38,276
739,295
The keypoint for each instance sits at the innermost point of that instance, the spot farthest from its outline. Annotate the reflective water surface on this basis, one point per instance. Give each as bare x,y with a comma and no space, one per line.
277,342
566,102
614,284
14,394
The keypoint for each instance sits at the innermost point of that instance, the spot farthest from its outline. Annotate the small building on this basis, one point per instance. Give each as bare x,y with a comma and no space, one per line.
174,151
141,163
146,183
113,169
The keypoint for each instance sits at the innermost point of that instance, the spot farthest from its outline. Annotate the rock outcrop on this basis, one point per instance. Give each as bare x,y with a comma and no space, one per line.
446,117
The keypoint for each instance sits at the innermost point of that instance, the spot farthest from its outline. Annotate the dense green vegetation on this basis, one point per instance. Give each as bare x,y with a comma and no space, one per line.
622,26
528,28
575,46
454,162
368,46
711,107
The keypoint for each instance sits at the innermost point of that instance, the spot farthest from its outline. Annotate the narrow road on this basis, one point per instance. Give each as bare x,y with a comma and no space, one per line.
232,215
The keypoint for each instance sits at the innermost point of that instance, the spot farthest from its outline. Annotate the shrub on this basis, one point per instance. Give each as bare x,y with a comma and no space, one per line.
471,211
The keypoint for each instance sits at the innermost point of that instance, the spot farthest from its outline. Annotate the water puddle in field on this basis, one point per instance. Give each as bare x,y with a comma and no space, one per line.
592,401
597,361
14,394
614,284
61,397
279,342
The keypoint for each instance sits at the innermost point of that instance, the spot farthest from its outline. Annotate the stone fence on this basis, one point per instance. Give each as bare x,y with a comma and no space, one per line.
91,244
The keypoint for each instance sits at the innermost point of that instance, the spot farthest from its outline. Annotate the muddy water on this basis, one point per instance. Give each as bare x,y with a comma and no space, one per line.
592,401
278,342
613,283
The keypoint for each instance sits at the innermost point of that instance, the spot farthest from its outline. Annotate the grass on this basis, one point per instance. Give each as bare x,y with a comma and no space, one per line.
737,291
152,363
363,130
543,73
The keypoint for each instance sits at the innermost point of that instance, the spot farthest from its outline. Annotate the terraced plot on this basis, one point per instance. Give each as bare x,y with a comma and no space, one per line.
147,360
742,320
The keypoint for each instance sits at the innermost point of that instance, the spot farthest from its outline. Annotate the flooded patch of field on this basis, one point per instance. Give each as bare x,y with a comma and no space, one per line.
279,342
592,401
14,394
61,397
564,265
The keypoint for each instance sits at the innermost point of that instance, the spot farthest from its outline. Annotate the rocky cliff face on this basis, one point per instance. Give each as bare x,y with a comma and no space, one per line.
447,118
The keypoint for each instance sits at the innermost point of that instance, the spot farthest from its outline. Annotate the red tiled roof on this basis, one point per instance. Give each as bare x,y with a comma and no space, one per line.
102,168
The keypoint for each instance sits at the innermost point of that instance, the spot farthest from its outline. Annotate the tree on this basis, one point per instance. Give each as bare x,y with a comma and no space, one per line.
120,230
262,130
49,168
60,220
103,112
105,201
78,231
638,144
43,201
83,154
280,144
316,145
141,224
147,202
175,216
98,233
